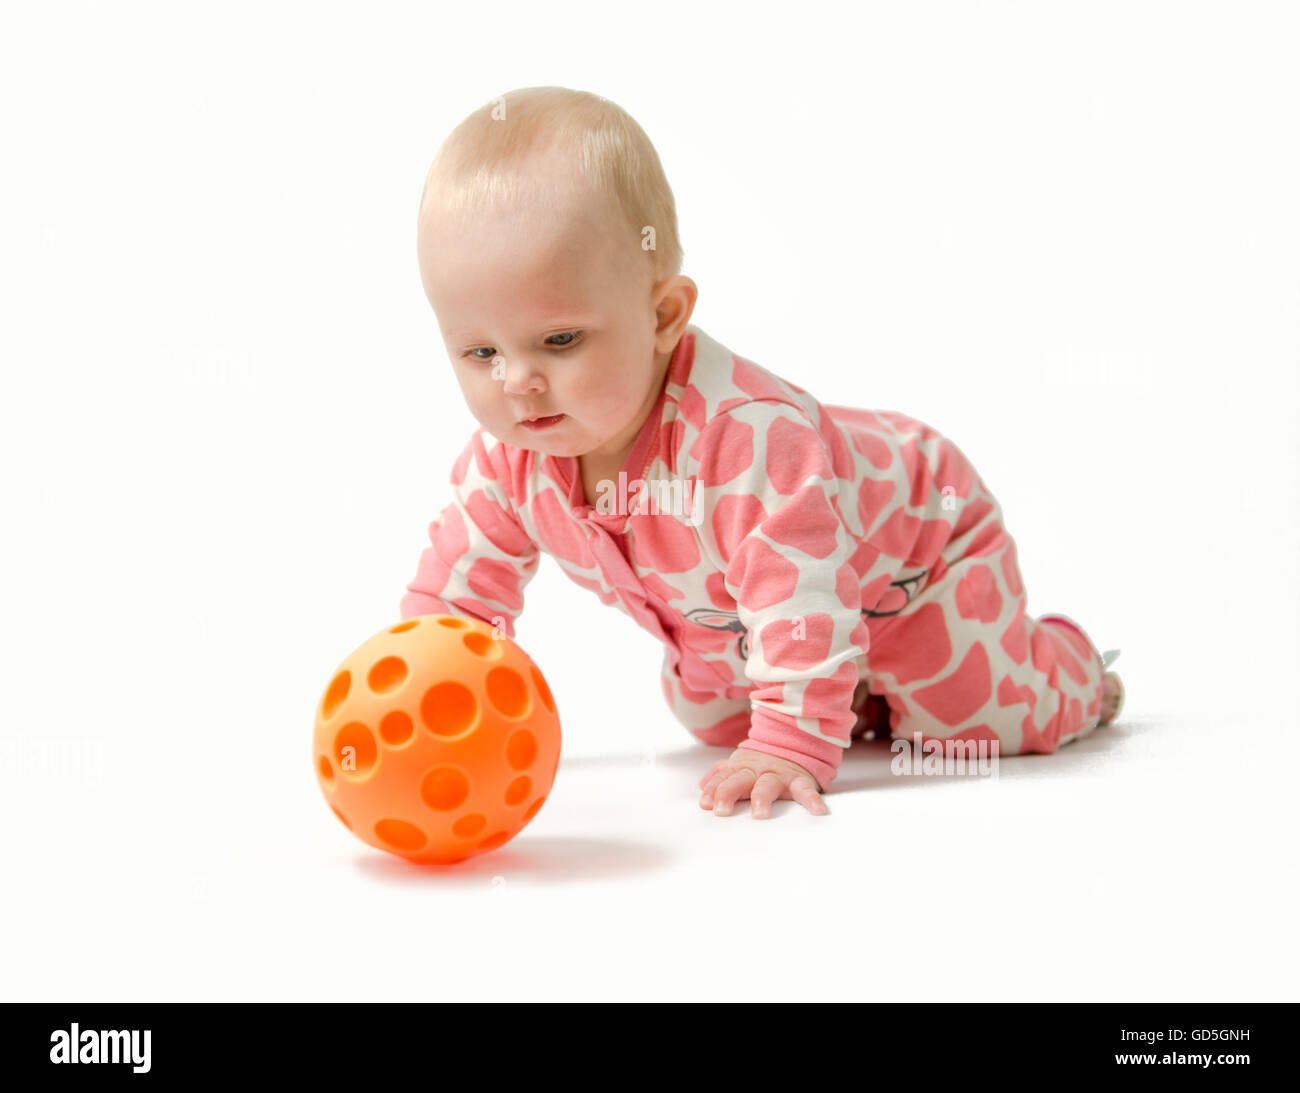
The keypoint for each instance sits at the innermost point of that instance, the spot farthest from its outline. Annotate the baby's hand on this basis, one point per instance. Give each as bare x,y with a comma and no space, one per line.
763,779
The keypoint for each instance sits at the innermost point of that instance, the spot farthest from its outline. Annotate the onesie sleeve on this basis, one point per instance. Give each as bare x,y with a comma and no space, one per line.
479,557
768,517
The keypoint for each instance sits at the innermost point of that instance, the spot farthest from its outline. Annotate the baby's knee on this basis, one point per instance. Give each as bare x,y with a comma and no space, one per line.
730,732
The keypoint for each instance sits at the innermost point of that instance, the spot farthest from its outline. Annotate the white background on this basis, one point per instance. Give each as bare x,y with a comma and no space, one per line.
1064,234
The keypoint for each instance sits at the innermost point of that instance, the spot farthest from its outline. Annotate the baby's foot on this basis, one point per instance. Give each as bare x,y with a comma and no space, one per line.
1112,698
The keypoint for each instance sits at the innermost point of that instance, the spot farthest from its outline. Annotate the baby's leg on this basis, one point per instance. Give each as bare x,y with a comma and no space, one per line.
722,722
965,661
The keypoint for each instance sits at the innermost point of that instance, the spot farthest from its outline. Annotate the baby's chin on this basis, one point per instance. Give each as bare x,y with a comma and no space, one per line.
526,440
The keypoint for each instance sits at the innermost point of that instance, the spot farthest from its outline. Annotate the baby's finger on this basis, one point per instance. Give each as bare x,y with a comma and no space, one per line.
767,789
805,792
733,787
708,774
715,779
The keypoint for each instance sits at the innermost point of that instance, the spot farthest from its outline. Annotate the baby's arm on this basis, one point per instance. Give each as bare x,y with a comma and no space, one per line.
479,557
766,484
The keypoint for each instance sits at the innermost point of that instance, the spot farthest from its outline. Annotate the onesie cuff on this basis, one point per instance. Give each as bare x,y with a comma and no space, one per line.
820,758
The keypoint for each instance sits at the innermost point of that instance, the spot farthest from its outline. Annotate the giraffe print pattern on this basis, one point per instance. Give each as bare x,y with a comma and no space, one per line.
832,563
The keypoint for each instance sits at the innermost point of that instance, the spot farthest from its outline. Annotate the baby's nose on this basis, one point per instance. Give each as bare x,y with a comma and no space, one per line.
519,377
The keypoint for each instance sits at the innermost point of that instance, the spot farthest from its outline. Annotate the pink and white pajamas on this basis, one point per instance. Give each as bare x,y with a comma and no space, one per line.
801,564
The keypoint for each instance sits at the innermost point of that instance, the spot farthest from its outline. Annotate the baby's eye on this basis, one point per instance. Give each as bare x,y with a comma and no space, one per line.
486,353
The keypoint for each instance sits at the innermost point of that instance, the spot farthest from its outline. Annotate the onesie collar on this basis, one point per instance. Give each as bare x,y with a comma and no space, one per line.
647,441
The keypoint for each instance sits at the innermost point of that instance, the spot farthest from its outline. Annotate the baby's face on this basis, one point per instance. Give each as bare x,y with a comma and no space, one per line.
543,316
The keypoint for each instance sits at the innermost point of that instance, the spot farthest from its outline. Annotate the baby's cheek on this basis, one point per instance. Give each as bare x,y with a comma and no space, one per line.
607,408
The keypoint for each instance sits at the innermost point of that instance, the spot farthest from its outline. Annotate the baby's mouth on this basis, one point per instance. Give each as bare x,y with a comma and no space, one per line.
543,422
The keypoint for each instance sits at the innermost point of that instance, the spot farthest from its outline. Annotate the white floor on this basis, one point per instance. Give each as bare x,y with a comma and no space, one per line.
1112,870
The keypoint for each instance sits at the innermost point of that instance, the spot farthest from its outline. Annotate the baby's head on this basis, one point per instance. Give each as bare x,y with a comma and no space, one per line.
548,248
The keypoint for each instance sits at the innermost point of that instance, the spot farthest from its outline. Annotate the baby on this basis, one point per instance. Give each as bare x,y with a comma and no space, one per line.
814,572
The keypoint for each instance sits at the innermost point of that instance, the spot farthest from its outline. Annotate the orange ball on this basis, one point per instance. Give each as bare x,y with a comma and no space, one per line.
435,740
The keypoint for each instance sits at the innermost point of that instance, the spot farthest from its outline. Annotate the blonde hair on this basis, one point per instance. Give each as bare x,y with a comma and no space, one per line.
486,163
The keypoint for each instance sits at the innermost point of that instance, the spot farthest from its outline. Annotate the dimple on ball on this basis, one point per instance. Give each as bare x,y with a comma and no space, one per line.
436,740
